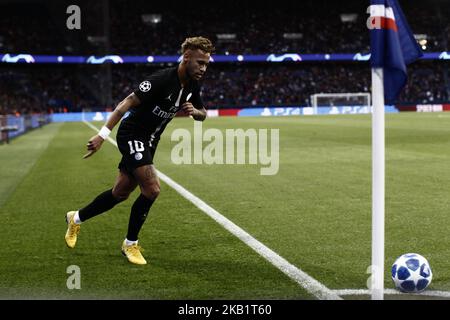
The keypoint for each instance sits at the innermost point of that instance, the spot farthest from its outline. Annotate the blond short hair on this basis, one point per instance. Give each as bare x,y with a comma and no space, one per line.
195,43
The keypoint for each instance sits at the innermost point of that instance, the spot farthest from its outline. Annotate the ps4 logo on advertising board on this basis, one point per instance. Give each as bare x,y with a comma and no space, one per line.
111,58
350,110
354,110
289,111
284,57
28,58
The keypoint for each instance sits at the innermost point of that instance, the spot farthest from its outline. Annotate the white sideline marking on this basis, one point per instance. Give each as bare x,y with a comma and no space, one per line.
307,282
359,292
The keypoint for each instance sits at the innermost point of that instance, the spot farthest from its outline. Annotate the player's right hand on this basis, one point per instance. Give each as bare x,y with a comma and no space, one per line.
93,145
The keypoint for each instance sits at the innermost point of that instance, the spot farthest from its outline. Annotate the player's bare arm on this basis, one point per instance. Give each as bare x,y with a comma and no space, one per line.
96,141
190,110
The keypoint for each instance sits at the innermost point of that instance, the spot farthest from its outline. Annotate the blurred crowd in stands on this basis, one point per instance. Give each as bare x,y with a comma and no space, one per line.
33,89
292,84
37,89
236,27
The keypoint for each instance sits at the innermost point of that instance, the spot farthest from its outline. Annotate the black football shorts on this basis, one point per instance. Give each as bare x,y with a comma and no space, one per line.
136,151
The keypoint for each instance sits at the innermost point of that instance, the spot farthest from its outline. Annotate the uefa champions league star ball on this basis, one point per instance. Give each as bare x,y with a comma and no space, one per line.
411,273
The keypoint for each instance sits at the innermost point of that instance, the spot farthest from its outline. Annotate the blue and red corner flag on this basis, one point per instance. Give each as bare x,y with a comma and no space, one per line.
392,45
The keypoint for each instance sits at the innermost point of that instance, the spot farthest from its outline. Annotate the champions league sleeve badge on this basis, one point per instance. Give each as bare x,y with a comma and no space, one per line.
145,86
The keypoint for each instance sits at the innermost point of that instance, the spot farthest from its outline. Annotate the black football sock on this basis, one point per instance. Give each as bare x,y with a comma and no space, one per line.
104,202
139,213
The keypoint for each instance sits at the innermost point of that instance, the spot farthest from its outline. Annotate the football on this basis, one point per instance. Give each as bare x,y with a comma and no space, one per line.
411,272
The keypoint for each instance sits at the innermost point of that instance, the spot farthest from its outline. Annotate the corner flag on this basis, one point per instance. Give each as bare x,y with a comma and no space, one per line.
392,47
392,44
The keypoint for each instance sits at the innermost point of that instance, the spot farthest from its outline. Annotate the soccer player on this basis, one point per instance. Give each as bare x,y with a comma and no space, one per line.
151,107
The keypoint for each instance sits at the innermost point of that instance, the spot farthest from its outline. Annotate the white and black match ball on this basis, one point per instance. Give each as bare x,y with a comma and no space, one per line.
411,272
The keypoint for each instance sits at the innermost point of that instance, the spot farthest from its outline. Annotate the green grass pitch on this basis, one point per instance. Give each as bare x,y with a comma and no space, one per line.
316,212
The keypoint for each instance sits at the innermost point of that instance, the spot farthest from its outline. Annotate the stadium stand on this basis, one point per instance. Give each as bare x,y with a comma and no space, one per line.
29,89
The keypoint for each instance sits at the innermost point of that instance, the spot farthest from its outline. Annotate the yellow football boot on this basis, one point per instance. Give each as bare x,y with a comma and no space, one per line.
133,253
72,229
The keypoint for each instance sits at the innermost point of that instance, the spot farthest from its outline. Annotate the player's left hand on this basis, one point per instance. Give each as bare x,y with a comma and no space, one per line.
188,108
93,145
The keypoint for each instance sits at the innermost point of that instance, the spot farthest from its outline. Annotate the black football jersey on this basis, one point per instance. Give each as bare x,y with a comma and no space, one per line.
161,96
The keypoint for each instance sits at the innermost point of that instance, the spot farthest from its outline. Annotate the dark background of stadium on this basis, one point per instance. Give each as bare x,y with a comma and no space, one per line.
115,27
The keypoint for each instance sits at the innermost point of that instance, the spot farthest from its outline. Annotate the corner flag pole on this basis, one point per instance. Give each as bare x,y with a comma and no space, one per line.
378,184
392,46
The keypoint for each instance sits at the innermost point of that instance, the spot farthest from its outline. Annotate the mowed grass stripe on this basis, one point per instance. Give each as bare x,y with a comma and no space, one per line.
190,256
307,282
19,156
317,210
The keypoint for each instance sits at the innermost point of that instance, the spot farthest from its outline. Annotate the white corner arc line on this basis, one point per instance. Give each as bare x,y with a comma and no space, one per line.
360,292
310,284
